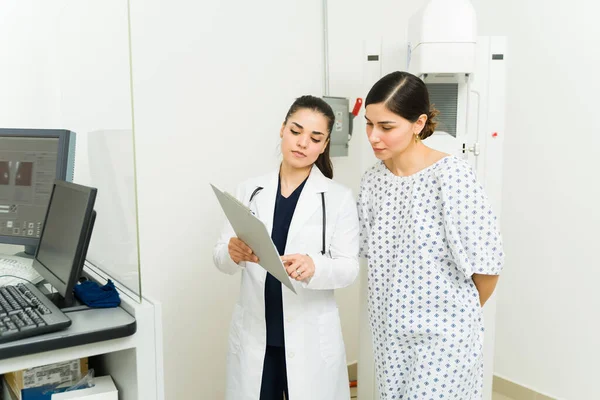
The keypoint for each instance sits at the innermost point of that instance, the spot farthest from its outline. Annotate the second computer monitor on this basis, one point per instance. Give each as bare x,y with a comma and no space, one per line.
65,237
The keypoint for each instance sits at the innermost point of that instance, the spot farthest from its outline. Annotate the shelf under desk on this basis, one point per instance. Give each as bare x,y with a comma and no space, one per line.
88,326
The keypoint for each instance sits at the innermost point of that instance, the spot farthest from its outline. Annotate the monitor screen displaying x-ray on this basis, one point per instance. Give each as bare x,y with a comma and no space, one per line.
30,161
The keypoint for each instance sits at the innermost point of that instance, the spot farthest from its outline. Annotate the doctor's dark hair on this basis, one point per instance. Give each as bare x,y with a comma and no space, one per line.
407,96
318,105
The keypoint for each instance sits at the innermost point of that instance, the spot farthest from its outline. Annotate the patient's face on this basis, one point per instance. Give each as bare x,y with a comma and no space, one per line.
303,138
389,134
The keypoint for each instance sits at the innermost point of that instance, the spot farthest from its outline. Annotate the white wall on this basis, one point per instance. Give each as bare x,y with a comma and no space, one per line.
30,92
547,319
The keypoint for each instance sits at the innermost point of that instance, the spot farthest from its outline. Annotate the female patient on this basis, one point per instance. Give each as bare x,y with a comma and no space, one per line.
281,342
433,247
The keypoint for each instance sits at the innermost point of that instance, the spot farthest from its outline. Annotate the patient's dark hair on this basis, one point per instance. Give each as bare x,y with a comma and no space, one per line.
407,96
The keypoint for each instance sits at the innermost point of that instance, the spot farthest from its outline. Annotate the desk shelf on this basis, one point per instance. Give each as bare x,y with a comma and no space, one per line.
134,360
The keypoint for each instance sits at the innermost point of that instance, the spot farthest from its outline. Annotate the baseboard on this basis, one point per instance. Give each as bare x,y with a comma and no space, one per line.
517,392
352,377
353,371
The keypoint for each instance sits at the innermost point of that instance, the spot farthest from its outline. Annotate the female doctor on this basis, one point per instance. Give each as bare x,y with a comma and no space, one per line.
281,342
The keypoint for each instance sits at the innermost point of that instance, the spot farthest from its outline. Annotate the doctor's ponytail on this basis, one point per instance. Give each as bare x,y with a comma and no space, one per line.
318,105
324,162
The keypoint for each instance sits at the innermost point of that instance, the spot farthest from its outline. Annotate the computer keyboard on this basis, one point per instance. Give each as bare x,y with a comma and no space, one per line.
25,312
17,267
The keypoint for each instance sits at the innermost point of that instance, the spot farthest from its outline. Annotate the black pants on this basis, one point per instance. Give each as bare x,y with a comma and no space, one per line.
274,378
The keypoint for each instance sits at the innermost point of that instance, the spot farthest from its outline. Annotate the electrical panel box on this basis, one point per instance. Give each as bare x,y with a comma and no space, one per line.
342,127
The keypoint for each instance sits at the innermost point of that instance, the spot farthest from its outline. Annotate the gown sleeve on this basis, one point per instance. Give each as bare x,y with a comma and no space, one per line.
470,223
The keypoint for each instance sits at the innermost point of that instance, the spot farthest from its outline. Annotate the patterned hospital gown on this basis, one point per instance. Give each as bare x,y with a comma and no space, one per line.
424,236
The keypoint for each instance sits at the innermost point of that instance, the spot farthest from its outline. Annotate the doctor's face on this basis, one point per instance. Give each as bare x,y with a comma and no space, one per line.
304,137
389,134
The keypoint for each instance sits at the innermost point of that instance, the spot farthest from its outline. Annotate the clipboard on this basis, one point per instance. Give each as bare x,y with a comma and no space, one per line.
254,233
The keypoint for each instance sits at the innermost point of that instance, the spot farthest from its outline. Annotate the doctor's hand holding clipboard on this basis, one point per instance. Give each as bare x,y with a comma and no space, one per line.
287,339
298,266
239,251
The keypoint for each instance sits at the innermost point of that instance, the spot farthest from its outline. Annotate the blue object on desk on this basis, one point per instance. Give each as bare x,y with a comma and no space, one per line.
96,296
40,393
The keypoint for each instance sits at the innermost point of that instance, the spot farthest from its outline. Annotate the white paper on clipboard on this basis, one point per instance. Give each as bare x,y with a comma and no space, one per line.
254,233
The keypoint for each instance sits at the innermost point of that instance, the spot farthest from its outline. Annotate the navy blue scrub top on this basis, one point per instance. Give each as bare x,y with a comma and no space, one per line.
282,218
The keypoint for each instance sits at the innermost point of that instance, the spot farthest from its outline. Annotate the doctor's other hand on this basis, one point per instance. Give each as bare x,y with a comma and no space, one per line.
299,266
239,251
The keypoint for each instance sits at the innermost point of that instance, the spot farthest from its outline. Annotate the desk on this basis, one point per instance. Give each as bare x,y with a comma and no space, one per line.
87,326
133,357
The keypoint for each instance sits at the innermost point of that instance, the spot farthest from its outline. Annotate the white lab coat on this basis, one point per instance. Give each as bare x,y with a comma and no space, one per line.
315,354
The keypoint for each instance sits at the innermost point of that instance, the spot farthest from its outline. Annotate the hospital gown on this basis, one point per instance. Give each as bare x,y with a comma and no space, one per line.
424,236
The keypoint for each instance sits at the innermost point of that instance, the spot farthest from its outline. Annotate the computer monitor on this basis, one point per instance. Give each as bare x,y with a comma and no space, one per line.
30,161
65,237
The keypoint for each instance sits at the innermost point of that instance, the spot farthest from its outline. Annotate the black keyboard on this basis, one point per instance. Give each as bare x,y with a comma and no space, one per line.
25,312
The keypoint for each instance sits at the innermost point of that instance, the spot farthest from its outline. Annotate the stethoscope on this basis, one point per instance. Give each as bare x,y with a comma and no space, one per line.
258,189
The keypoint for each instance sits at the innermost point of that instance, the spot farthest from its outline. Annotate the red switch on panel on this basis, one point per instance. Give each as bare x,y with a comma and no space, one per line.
357,105
495,134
